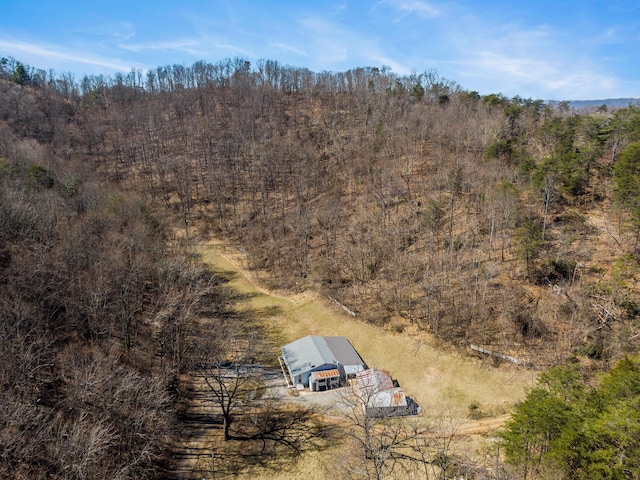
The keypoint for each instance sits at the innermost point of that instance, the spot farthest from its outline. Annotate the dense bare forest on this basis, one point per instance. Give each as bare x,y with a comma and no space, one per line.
409,199
417,204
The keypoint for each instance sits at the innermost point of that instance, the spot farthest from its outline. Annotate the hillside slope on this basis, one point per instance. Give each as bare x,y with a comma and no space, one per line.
482,220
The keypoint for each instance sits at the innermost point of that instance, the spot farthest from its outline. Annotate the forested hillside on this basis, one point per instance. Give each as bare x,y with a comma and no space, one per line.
96,306
412,201
419,205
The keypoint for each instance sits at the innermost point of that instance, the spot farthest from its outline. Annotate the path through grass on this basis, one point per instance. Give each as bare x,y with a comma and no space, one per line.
441,381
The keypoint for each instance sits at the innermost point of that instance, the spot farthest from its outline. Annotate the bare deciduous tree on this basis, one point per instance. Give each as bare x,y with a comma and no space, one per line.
381,444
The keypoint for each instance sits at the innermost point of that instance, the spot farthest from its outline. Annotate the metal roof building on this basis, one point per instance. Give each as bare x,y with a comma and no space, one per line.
373,381
381,396
315,353
324,380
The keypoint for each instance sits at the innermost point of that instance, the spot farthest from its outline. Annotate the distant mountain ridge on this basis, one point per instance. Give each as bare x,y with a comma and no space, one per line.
610,102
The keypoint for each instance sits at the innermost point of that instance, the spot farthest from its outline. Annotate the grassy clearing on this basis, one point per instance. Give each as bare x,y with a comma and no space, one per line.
441,381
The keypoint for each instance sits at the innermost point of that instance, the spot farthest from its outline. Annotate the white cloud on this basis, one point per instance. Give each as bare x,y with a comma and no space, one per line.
519,68
236,50
289,48
536,76
554,58
328,42
417,7
60,57
117,30
539,62
124,30
378,58
181,45
582,85
335,47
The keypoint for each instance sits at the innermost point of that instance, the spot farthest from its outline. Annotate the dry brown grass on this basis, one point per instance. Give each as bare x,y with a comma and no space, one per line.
442,381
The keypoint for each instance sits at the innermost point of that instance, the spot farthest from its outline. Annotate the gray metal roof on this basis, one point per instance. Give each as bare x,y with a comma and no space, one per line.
313,351
343,351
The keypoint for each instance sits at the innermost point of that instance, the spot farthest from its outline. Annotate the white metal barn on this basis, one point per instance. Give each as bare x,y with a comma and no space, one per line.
335,357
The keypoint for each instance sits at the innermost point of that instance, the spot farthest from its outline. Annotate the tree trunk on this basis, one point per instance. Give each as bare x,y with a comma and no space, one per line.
226,423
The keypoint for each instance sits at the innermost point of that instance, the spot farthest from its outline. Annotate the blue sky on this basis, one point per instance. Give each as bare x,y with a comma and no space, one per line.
550,50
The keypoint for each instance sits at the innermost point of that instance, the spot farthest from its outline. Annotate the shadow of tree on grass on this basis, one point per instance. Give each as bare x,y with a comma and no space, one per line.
272,438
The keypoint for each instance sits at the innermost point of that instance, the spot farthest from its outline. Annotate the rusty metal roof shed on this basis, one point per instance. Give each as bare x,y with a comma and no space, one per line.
377,390
387,398
325,374
374,380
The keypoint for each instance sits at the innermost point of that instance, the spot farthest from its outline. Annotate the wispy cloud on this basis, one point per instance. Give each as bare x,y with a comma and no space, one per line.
327,40
214,34
120,30
289,48
609,36
492,46
556,77
379,59
536,61
235,49
189,46
334,46
414,7
60,56
515,67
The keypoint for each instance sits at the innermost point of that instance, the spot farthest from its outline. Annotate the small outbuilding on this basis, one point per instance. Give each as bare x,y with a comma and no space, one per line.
335,357
381,396
324,380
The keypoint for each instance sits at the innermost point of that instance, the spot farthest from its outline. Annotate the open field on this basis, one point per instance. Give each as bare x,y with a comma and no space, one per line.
444,383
